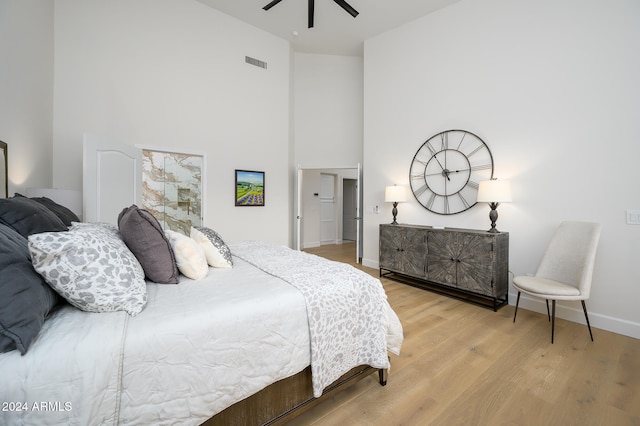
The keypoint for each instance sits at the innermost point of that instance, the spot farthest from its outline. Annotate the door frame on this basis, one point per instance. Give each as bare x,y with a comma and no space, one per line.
299,184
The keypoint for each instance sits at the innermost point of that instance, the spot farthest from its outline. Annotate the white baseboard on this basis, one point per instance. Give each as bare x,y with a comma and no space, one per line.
312,244
370,263
572,311
564,310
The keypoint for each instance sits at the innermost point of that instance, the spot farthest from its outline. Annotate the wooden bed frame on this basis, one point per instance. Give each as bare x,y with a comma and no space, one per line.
286,399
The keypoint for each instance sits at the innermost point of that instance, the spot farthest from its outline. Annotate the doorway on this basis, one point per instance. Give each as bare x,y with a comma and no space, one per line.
320,213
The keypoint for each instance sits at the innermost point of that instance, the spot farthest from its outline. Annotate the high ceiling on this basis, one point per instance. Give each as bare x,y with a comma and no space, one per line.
335,32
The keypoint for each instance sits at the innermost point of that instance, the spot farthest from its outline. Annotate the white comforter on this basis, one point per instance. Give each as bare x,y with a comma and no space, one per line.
197,348
70,375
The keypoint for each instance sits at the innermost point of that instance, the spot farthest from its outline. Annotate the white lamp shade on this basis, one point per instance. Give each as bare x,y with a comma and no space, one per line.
494,191
395,193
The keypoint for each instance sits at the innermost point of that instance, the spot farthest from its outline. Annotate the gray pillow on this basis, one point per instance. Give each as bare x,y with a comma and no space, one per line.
91,267
144,236
63,213
27,216
25,298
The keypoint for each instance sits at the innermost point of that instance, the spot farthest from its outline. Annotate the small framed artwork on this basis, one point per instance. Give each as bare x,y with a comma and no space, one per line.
249,188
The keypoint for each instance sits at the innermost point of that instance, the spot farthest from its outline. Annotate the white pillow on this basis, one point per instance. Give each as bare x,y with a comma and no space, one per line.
214,256
190,257
91,267
220,256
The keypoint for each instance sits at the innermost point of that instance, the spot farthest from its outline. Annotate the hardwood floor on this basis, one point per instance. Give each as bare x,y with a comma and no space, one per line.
463,364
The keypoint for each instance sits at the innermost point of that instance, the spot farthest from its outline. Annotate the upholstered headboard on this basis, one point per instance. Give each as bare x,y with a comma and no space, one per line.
112,176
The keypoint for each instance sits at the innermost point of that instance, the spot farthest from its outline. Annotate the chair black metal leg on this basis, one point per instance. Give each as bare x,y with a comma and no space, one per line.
548,315
584,308
553,317
516,311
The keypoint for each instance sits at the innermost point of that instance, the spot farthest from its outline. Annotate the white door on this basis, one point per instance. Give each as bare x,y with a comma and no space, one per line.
298,235
359,225
327,209
349,210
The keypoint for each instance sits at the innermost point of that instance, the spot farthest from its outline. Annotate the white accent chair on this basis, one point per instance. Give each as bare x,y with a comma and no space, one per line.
566,269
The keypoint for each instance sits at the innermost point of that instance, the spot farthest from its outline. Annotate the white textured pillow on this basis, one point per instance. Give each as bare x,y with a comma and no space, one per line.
91,267
221,256
214,257
190,257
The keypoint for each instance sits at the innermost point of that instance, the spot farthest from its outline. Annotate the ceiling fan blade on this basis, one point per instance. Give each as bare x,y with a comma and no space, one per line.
270,5
311,12
346,6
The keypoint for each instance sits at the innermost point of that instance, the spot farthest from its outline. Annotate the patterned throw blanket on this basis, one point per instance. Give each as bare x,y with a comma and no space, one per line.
345,307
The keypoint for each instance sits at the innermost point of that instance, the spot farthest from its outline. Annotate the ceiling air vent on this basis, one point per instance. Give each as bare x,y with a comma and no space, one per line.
256,62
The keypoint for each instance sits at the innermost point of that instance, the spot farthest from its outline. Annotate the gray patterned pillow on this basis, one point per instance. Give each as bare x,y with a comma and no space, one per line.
91,267
223,254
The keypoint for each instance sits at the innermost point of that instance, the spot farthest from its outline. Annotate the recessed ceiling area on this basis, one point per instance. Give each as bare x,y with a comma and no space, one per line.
335,32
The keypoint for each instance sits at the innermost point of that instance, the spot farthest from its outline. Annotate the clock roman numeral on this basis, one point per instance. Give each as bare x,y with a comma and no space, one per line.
419,176
461,140
430,201
475,150
478,148
423,162
473,184
418,192
444,141
464,201
481,167
431,149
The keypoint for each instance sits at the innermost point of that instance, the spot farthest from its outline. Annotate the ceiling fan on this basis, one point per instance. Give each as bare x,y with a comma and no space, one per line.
343,4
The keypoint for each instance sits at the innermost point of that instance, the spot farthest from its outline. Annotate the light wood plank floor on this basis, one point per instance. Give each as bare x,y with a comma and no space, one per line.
465,365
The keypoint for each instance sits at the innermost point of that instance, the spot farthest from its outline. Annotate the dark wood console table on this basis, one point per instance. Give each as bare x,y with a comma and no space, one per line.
471,265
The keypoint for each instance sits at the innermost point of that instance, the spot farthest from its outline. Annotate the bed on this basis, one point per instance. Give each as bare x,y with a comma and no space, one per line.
251,342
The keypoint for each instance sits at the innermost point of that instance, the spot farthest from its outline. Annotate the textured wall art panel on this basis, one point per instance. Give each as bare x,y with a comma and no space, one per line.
172,188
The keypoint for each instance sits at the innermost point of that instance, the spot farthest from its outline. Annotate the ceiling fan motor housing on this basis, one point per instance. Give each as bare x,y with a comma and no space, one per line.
311,9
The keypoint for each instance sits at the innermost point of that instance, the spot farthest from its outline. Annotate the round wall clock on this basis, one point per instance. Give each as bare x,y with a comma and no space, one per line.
446,171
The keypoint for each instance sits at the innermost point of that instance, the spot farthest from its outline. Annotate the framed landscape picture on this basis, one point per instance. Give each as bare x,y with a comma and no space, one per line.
249,188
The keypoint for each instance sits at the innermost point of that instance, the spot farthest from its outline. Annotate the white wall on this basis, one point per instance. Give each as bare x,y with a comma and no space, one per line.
172,73
26,91
327,110
552,88
327,127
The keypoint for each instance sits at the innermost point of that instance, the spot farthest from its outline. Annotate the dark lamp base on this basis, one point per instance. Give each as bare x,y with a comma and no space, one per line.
493,216
394,212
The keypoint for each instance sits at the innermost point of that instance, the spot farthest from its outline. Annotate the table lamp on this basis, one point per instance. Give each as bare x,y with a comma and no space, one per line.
494,192
395,194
